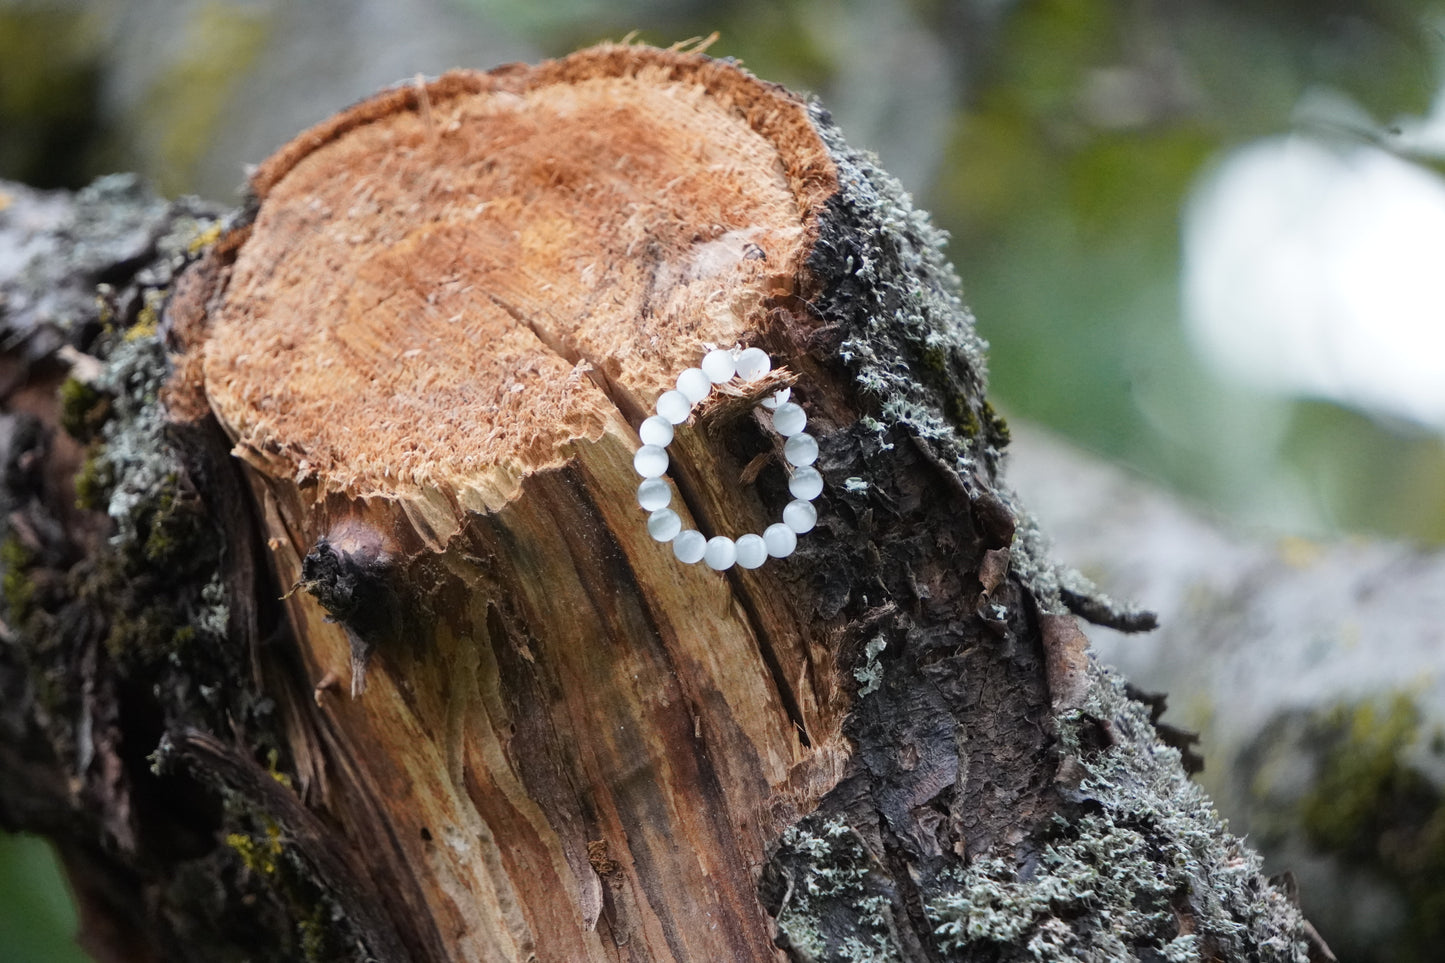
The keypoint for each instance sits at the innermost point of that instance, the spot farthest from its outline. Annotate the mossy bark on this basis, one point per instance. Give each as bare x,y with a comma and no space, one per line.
957,781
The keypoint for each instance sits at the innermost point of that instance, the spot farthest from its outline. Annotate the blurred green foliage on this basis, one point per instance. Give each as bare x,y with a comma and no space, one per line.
37,921
1069,138
50,75
1066,178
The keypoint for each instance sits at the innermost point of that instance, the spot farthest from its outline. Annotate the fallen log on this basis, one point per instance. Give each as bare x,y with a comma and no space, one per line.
501,712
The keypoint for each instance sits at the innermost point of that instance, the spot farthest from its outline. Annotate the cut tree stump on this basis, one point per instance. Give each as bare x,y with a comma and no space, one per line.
493,719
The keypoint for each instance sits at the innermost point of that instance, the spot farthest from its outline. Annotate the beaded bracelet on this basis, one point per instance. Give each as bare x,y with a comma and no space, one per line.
800,450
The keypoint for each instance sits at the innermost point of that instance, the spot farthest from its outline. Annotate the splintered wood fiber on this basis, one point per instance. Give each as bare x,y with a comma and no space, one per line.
476,276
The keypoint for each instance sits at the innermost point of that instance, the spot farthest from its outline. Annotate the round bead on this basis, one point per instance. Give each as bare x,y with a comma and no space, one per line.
656,430
752,551
776,398
780,540
689,546
718,365
801,449
664,524
753,363
694,383
654,493
721,553
789,419
674,406
806,483
650,461
800,516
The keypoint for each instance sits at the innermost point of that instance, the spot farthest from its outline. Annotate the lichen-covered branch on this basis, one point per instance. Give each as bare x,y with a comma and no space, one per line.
132,606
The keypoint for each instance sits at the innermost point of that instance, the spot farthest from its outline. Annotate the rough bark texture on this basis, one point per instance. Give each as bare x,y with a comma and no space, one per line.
430,339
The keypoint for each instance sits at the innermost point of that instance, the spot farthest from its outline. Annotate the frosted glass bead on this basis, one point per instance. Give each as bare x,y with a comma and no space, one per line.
800,516
806,483
753,363
650,461
664,524
801,449
789,419
718,365
776,398
721,553
689,547
694,383
752,551
674,406
654,494
656,430
780,540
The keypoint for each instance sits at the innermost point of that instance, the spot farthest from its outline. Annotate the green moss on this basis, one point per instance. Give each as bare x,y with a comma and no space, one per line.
24,611
205,238
148,633
273,760
997,423
310,924
260,853
94,480
1372,806
935,359
156,577
16,586
175,530
82,408
960,412
311,933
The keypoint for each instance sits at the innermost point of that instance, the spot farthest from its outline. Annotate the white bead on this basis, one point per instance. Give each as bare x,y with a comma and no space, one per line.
789,419
689,547
694,383
718,365
650,461
753,363
674,406
780,540
806,483
656,430
721,553
776,398
654,494
664,524
800,516
752,551
801,449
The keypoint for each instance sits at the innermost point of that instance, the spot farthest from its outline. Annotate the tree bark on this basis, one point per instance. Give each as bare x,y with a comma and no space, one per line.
491,718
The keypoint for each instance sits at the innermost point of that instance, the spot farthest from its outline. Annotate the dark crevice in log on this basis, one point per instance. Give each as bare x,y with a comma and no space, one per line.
782,685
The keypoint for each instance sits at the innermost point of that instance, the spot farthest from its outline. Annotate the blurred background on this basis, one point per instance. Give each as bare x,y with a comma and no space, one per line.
1202,236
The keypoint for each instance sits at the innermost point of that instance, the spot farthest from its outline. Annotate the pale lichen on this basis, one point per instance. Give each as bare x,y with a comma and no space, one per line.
830,870
869,674
1146,870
